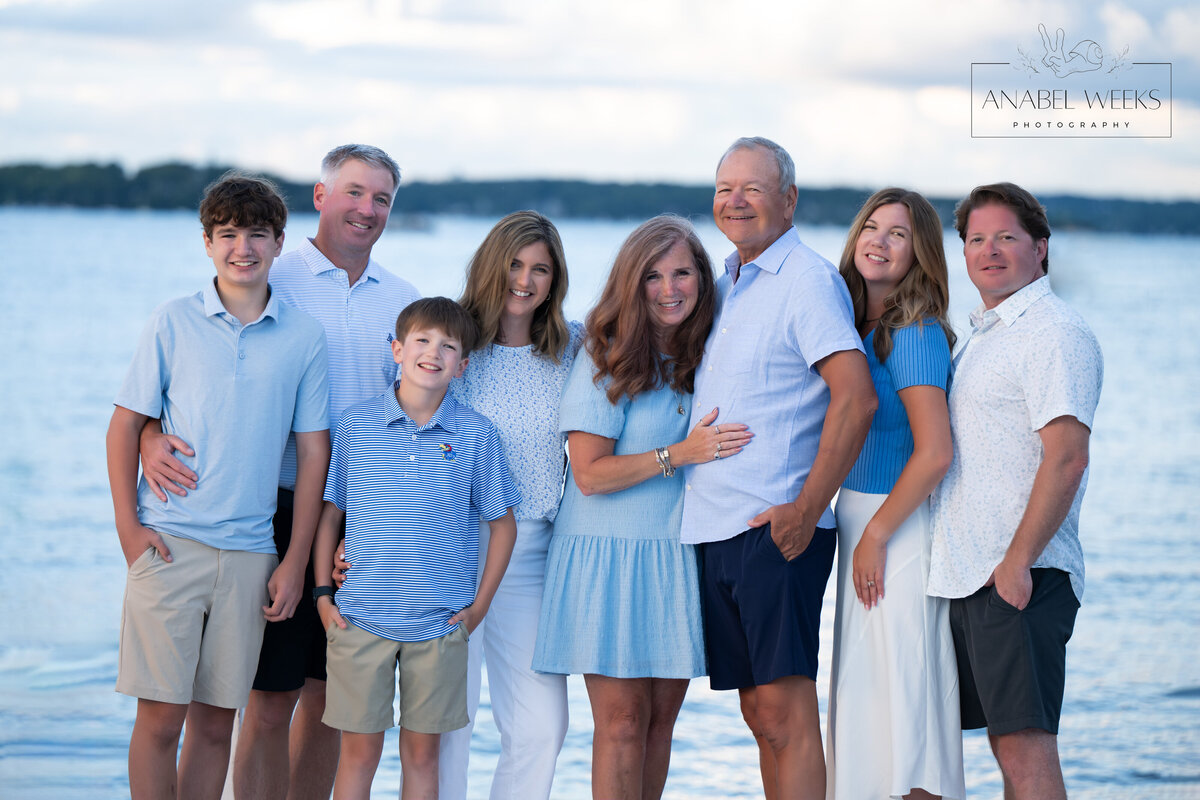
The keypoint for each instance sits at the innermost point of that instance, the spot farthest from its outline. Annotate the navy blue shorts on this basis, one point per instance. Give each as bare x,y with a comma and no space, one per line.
292,649
762,613
1012,663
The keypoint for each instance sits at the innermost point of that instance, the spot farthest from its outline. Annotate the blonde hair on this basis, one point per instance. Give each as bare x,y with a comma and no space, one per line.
487,282
922,293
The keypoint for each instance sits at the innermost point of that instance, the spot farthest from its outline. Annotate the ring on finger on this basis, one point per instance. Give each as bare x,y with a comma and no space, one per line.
870,583
717,428
717,454
718,447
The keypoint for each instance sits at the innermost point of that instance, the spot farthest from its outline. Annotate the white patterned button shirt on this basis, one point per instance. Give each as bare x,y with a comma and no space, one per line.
1030,360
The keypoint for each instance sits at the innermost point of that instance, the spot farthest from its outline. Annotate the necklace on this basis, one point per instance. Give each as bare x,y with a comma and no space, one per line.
679,404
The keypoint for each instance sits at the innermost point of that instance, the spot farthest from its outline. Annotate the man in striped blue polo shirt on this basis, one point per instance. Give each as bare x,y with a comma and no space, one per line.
411,474
331,277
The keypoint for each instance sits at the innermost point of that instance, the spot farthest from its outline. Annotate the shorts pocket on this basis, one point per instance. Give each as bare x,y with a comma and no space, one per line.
999,603
144,561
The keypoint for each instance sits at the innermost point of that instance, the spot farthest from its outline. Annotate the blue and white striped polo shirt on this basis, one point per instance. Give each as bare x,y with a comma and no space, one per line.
359,321
413,496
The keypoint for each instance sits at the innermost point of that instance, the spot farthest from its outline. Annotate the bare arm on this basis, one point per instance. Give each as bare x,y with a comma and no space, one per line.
1064,458
287,582
932,452
852,404
162,470
328,533
598,471
502,535
121,445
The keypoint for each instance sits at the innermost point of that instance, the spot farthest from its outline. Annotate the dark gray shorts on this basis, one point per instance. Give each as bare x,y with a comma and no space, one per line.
1012,663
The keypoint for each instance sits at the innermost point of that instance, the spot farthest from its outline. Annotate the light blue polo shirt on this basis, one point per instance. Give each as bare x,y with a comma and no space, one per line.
788,310
233,392
413,496
359,322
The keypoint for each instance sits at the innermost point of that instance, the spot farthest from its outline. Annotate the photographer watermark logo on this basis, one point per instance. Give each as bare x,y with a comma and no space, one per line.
1051,91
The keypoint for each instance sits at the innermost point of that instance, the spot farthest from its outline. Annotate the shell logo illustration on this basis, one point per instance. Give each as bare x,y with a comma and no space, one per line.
1083,57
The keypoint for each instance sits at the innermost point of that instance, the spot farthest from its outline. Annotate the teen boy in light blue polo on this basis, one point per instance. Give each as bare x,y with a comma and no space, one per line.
233,370
412,472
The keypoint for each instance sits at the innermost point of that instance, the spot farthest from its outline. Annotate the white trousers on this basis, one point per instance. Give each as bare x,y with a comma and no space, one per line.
530,709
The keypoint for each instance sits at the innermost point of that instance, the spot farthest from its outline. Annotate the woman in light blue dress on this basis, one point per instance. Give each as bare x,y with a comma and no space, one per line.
893,723
622,603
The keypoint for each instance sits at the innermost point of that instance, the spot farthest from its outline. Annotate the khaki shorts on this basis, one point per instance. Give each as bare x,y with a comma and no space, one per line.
191,628
362,670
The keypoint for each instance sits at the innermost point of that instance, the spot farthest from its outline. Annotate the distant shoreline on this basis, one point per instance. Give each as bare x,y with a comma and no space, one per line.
179,186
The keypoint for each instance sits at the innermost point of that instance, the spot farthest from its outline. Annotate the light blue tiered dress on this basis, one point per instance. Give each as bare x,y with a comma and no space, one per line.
622,594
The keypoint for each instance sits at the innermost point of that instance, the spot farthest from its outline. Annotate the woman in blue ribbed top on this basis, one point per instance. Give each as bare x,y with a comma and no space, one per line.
893,701
622,601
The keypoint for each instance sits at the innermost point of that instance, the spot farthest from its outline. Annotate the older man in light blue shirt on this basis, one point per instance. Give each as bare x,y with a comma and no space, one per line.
783,357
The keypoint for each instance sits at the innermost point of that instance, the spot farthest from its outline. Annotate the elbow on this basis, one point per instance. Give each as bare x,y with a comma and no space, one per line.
865,406
586,487
940,461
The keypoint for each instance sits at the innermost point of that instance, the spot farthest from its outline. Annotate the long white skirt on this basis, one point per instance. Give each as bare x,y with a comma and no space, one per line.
893,698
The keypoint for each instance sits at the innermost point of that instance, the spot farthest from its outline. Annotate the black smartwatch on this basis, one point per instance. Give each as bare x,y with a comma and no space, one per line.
321,591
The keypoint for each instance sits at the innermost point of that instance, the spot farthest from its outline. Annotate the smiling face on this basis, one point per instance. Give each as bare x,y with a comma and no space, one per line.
530,278
242,256
883,253
1002,258
354,208
429,358
748,205
671,286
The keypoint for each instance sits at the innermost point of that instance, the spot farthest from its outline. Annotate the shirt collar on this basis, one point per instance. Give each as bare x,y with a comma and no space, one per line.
318,264
1016,304
214,307
771,259
444,417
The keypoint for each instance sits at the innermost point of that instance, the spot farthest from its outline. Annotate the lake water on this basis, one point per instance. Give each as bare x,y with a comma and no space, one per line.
76,287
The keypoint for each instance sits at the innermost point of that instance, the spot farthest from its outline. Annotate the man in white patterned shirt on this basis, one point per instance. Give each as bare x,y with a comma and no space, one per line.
333,278
1006,517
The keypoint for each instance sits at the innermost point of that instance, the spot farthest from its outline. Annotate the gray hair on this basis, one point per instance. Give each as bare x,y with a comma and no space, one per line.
787,169
369,155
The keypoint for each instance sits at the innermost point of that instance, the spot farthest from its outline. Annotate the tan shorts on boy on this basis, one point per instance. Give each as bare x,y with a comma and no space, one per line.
191,628
362,671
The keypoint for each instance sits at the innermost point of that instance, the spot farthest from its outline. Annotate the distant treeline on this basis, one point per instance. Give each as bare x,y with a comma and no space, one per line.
178,185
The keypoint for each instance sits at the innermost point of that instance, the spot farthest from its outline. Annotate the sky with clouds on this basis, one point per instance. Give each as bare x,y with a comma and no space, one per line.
863,93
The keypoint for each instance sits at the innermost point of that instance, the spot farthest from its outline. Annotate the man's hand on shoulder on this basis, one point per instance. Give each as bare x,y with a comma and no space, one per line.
791,528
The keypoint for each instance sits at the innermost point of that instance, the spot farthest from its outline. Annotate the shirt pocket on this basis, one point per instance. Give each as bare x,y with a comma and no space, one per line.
735,348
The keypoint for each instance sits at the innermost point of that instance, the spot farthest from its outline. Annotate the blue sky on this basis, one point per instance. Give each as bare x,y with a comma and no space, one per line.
863,93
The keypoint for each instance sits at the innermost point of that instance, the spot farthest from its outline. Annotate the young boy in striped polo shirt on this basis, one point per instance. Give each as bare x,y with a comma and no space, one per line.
411,473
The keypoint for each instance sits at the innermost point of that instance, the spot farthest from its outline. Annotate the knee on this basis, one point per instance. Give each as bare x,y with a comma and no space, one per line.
750,715
211,724
272,710
623,725
161,723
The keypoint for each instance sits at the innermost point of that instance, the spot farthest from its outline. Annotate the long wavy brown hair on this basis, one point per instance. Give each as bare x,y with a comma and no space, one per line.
621,337
487,282
923,293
